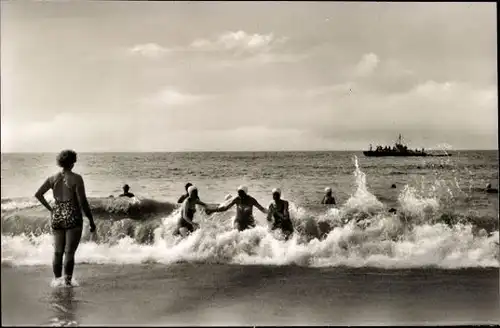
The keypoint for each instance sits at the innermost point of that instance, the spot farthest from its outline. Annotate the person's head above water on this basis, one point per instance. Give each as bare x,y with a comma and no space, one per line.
66,159
276,193
328,191
126,188
192,191
242,191
189,184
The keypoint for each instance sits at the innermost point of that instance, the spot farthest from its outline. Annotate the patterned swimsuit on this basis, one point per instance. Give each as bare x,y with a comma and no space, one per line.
66,215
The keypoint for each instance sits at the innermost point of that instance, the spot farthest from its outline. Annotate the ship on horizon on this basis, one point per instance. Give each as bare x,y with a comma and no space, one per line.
398,150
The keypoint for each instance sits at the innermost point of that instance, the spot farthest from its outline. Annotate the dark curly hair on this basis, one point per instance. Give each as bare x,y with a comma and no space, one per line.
66,159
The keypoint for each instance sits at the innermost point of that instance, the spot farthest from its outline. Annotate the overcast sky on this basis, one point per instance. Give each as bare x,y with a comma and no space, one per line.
159,76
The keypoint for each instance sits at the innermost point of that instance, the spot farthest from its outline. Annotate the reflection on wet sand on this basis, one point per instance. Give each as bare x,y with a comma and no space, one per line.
64,307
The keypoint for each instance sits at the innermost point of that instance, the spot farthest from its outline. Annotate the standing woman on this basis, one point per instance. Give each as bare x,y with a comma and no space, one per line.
66,214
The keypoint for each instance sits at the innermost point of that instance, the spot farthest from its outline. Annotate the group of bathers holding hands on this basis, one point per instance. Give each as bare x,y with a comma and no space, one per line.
70,200
278,214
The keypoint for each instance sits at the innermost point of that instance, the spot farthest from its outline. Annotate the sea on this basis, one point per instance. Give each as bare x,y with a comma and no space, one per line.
435,261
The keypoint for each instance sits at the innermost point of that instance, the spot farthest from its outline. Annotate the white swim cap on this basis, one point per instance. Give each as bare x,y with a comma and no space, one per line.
276,190
191,189
243,188
328,189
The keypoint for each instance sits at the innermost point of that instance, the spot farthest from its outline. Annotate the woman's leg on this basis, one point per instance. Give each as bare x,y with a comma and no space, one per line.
287,233
59,244
288,229
73,237
237,225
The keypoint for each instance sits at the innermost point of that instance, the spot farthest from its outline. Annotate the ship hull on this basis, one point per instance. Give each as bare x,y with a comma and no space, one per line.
395,154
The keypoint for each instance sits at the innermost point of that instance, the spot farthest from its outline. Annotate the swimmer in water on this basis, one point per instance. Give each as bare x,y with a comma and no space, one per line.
328,198
278,214
185,225
244,209
126,192
186,195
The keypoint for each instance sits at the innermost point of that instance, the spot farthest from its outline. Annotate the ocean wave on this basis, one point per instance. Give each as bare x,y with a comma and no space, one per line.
135,208
12,204
116,206
361,232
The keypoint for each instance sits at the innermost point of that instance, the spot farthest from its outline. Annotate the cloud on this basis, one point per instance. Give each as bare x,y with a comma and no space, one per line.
367,65
250,49
151,50
237,41
240,39
172,97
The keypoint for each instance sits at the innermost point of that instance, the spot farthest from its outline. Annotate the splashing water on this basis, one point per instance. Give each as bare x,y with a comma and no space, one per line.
359,233
362,200
61,282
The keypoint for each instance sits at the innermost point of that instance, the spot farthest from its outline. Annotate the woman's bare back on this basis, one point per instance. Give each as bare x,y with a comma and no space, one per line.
64,186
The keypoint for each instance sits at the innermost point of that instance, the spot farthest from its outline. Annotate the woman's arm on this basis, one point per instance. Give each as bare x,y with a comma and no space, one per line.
199,202
260,207
226,207
46,186
270,213
82,199
181,199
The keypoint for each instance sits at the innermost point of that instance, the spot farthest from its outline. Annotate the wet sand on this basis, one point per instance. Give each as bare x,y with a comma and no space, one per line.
204,294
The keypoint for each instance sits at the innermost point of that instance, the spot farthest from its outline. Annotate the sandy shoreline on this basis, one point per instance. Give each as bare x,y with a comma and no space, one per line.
203,294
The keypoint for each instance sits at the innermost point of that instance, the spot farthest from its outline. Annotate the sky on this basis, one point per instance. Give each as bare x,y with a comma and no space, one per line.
246,76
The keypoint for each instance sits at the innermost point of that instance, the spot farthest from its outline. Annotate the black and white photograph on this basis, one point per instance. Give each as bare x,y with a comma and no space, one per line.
249,163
